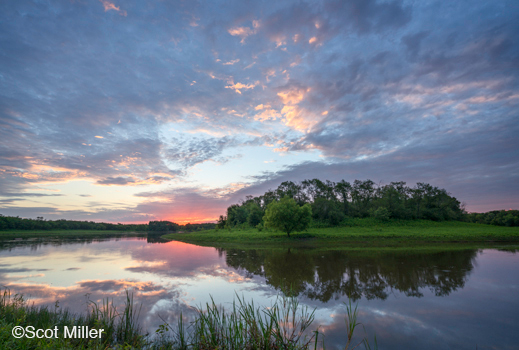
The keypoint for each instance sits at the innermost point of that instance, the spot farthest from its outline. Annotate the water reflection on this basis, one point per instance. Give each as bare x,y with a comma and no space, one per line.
155,238
34,243
414,299
324,275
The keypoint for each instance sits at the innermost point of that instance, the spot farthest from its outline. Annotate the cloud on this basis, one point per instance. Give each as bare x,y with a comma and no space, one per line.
244,32
454,163
392,76
295,116
185,205
145,293
267,114
110,6
293,95
232,62
198,150
239,86
370,16
413,42
116,181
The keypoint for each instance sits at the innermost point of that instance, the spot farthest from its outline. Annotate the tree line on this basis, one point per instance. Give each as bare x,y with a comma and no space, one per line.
495,217
333,202
17,223
168,226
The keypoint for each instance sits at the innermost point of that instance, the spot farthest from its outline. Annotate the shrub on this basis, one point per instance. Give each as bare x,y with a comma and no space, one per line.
287,216
381,214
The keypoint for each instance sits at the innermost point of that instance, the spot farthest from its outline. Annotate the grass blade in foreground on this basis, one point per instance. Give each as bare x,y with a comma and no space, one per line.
283,325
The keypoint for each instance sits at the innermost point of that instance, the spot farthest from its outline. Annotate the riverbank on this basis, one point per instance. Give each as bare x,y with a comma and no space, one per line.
360,233
13,234
283,325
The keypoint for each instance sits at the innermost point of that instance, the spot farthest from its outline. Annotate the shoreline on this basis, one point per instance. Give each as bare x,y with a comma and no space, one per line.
12,234
363,233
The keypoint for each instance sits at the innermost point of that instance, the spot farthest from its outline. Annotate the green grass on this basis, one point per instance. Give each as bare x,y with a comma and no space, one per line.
283,325
360,233
120,328
10,234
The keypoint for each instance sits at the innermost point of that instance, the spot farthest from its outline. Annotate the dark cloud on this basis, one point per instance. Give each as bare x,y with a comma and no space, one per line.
471,168
21,269
115,181
368,16
25,194
413,42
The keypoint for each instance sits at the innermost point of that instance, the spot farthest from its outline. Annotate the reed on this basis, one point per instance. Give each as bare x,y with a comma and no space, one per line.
285,324
120,328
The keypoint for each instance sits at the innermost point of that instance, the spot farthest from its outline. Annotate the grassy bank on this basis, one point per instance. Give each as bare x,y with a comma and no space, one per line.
11,234
361,233
283,325
119,328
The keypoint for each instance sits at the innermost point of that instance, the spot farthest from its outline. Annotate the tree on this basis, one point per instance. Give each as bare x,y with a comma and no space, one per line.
362,195
236,215
290,189
221,222
162,226
287,216
255,214
327,211
342,191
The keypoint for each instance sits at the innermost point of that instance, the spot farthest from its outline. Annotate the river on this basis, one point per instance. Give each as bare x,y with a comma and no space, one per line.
415,299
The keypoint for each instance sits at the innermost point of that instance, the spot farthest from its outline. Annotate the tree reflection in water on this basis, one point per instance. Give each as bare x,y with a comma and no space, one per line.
323,275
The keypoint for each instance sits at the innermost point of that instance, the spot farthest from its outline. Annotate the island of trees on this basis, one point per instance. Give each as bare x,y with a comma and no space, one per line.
330,203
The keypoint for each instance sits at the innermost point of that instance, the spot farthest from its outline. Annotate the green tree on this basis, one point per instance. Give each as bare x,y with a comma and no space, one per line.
362,195
221,222
342,192
327,211
236,215
287,216
162,226
255,214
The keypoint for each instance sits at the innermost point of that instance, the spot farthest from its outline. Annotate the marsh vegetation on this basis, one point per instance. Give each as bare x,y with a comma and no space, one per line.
283,325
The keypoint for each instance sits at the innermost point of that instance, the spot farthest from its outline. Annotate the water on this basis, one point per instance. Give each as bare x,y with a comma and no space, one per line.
411,300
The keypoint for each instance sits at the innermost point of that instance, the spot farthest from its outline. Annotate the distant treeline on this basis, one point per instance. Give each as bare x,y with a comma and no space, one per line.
17,223
168,226
333,202
495,217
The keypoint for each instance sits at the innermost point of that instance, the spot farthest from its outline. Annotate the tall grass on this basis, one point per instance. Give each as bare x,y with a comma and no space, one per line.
120,328
285,324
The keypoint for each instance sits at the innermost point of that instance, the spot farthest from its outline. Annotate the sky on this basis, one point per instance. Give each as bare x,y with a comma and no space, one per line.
131,111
